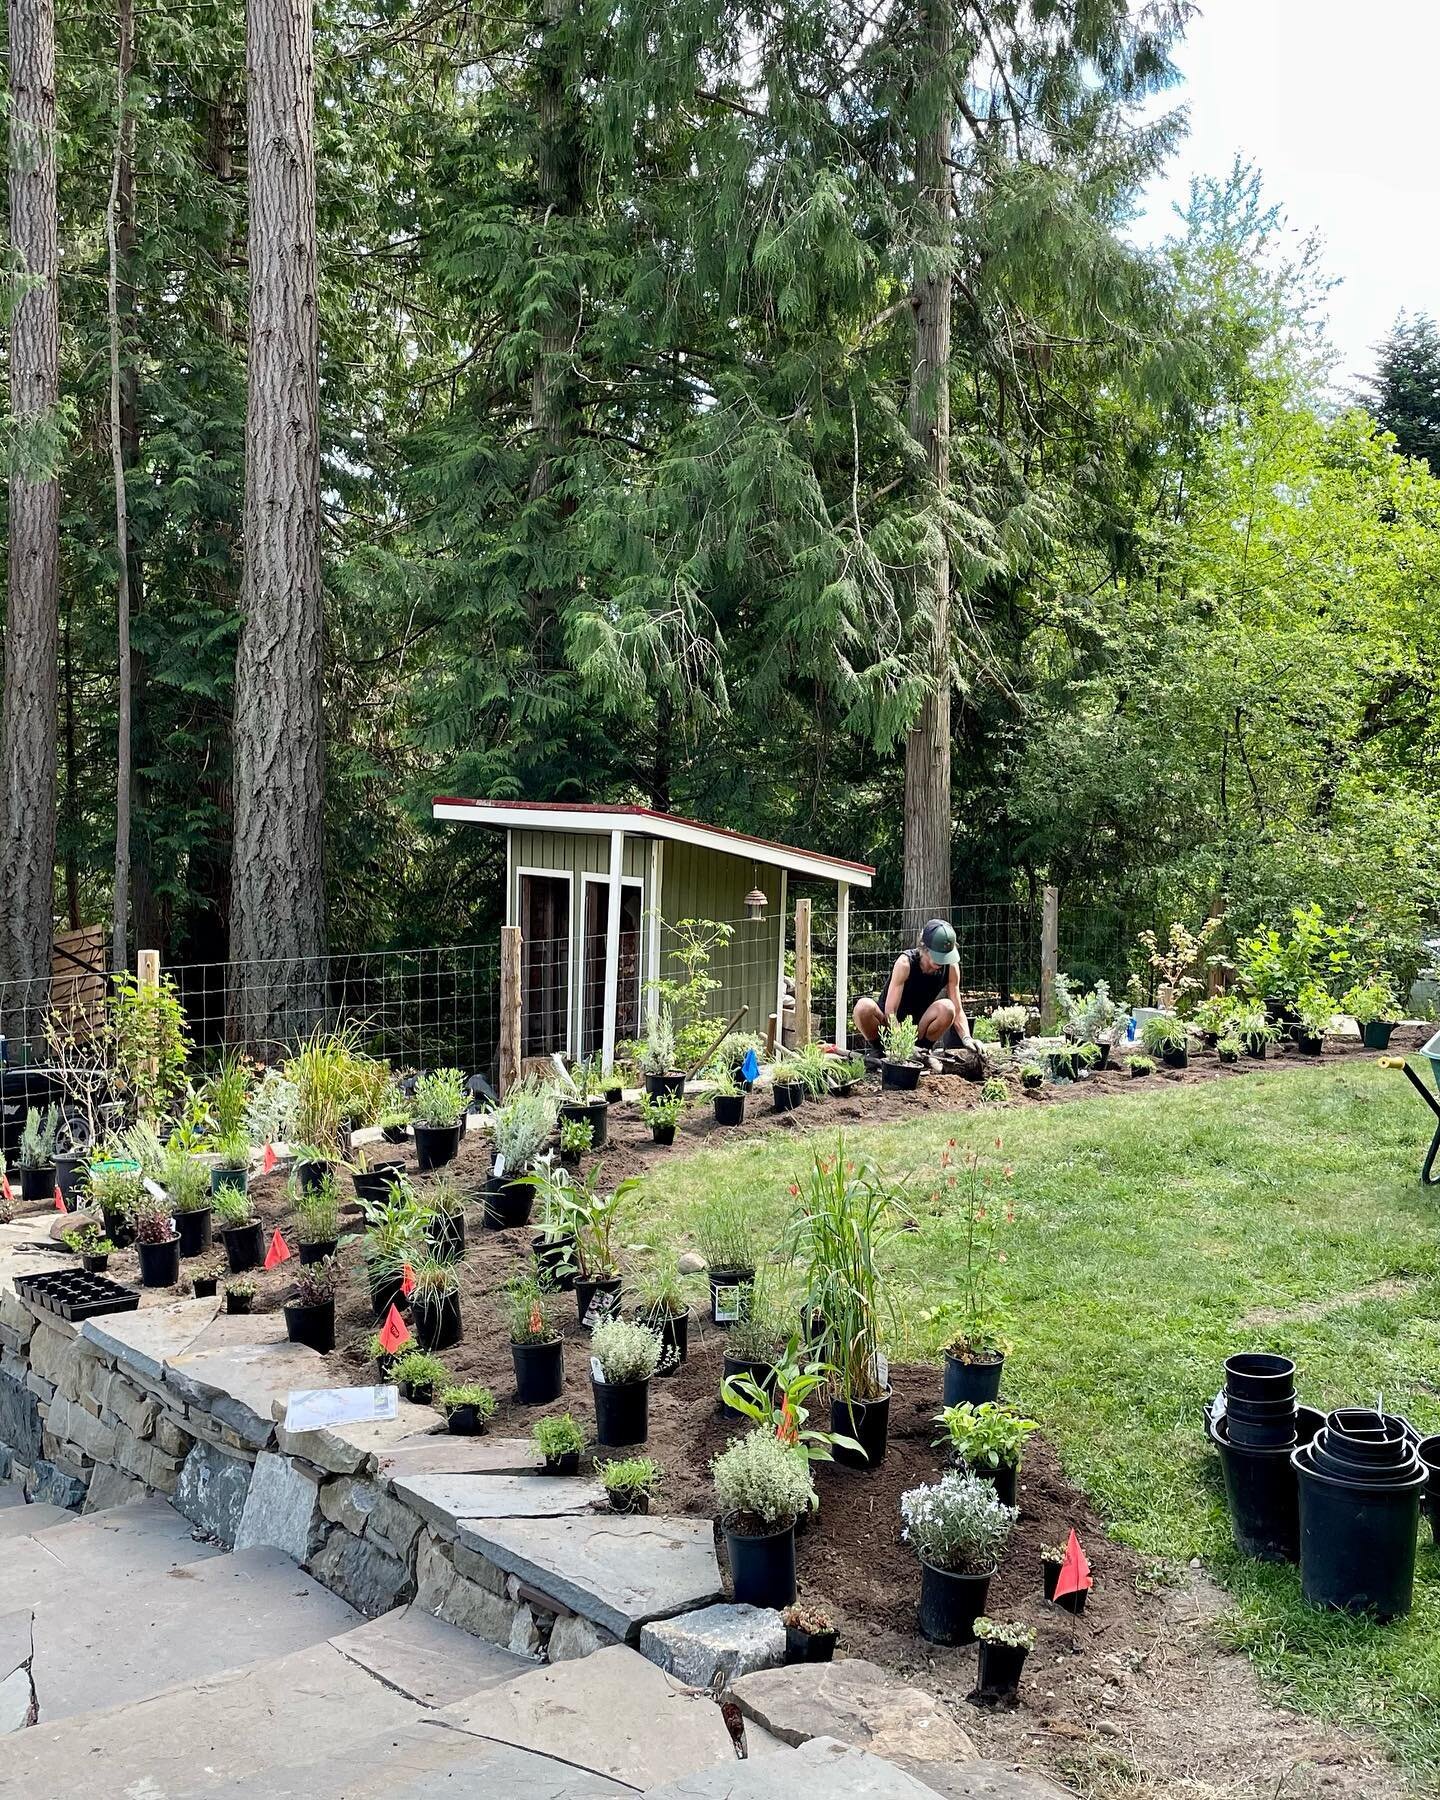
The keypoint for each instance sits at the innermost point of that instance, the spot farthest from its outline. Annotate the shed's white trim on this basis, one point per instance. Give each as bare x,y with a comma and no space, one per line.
565,875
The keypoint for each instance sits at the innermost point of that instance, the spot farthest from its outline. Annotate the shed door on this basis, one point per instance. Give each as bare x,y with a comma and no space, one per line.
627,999
544,964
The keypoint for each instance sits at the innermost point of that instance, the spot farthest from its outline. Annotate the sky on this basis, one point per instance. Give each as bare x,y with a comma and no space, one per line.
1336,105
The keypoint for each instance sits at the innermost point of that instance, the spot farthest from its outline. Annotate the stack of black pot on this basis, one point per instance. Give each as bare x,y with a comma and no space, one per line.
1361,1480
1255,1424
1261,1411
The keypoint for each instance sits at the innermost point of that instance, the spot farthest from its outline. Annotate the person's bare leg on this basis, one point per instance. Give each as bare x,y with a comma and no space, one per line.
868,1020
939,1017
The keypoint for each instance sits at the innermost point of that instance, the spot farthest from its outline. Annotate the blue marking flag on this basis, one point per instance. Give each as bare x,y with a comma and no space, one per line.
750,1068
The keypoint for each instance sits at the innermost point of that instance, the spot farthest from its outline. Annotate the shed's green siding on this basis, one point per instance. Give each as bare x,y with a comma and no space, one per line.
703,884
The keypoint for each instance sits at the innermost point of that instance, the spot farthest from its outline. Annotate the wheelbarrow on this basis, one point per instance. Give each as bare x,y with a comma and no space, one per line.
1431,1052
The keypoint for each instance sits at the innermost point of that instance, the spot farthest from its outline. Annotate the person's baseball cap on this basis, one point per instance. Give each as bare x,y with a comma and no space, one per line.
938,939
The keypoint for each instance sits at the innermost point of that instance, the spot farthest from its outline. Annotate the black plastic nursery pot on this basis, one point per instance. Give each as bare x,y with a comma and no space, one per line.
539,1372
234,1181
551,1256
159,1263
1358,1539
97,1265
422,1393
663,1134
1259,1048
976,1381
566,1463
902,1075
632,1500
596,1298
802,1646
950,1604
464,1421
762,1569
436,1321
204,1286
71,1178
1074,1602
1175,1059
1001,1666
594,1113
622,1412
1259,1375
318,1249
729,1109
1307,1045
508,1204
387,1292
1260,1490
1050,1575
373,1185
673,1330
238,1303
445,1235
1428,1450
117,1226
38,1184
1005,1480
312,1325
1376,1033
787,1095
313,1175
761,1372
436,1145
395,1134
729,1290
868,1422
194,1228
660,1086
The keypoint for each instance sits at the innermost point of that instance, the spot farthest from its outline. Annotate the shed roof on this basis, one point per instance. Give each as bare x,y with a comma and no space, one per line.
643,821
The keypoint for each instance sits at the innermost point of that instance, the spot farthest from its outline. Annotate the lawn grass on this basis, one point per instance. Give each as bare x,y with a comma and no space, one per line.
1149,1228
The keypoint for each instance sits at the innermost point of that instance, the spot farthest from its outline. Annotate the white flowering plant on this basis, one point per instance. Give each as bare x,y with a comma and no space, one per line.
626,1352
762,1484
957,1524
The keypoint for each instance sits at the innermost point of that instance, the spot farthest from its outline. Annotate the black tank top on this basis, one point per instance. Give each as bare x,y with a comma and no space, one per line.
920,989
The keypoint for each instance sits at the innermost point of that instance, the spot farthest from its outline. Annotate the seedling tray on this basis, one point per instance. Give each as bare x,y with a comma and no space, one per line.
73,1295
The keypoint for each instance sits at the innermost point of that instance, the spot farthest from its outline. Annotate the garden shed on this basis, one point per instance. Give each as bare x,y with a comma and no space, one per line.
592,889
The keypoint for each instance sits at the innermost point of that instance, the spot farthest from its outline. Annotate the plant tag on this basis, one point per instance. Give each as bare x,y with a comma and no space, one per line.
601,1306
154,1189
596,1371
499,1169
882,1370
727,1305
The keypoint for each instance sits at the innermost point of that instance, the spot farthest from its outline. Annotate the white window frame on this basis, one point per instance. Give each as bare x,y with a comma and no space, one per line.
567,876
630,881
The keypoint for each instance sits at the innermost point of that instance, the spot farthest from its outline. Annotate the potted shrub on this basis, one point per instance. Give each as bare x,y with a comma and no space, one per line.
974,1356
988,1440
1140,1066
1011,1023
1165,1036
310,1306
445,1219
1314,1010
115,1185
811,1068
623,1357
317,1220
559,1441
466,1408
1375,1009
1067,1062
995,1091
657,1057
372,1181
787,1090
92,1246
394,1236
1004,1645
231,1167
899,1040
203,1282
729,1096
523,1125
958,1528
385,1360
726,1237
1052,1560
761,1489
157,1243
239,1295
661,1112
311,1167
589,1106
1228,1048
810,1634
661,1306
394,1119
437,1109
844,1074
593,1217
435,1303
845,1221
1253,1028
37,1153
752,1350
630,1483
577,1139
554,1247
240,1232
1032,1077
535,1343
419,1376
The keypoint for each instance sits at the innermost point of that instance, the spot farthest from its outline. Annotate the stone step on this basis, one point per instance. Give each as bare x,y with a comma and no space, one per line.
146,1538
11,1495
309,1707
105,1638
24,1521
823,1766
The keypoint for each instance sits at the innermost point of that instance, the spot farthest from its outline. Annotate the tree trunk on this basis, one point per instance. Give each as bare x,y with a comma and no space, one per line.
557,169
121,189
28,727
277,883
927,746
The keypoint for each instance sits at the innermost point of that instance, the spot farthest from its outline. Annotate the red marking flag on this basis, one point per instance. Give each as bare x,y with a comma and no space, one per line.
5,1187
1074,1576
393,1333
59,1199
278,1250
407,1281
269,1160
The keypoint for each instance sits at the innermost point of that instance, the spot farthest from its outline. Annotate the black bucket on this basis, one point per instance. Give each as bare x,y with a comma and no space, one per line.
539,1372
950,1604
436,1145
1260,1491
729,1109
194,1230
762,1569
507,1203
972,1382
1259,1375
622,1412
1358,1539
244,1247
312,1325
437,1321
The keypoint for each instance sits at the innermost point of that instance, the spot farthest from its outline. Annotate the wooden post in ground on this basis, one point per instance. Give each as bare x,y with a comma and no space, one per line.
1049,956
147,977
802,974
509,1070
842,965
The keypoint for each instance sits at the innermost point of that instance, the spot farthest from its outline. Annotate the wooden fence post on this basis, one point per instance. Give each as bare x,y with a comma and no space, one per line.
147,979
1049,956
802,974
509,1070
